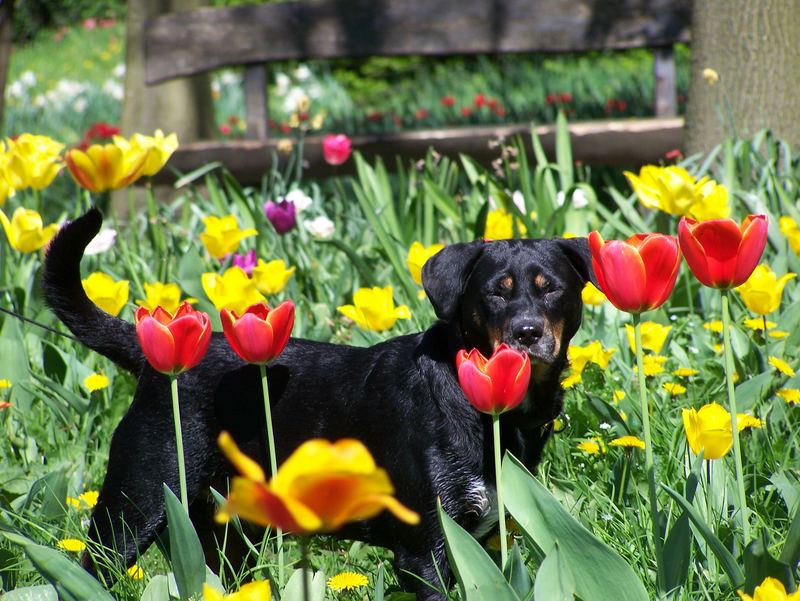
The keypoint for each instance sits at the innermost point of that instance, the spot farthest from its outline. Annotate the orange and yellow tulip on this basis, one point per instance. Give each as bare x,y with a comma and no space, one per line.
171,343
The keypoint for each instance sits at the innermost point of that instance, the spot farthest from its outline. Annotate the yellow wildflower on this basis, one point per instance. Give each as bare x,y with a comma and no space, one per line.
592,447
135,572
618,395
591,295
418,255
72,544
5,383
571,381
771,589
252,591
790,395
710,75
33,161
762,291
232,290
222,235
653,336
673,388
25,231
744,421
95,382
713,326
685,372
778,334
85,500
167,296
757,324
781,366
373,309
271,277
499,225
346,581
653,365
709,430
628,442
104,292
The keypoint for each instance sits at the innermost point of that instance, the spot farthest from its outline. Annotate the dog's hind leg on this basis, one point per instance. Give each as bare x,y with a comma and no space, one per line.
130,511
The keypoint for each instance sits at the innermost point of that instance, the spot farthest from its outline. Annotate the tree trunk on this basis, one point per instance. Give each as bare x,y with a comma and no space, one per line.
183,106
6,17
754,48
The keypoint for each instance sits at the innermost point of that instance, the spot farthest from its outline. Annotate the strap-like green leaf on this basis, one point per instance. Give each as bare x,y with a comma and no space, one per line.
186,553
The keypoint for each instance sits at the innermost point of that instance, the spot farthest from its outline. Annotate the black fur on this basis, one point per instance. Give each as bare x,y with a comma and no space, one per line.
400,397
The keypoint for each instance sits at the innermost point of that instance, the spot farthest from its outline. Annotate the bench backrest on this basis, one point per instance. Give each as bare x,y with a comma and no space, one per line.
180,44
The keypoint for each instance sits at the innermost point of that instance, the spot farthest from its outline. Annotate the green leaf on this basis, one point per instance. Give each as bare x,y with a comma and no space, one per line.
600,573
157,589
726,560
517,574
366,274
790,553
293,591
678,545
186,553
72,582
196,174
554,580
759,564
478,577
42,592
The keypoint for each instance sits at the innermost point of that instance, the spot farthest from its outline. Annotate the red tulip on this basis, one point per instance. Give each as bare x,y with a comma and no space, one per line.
719,252
496,384
637,274
261,333
173,343
336,149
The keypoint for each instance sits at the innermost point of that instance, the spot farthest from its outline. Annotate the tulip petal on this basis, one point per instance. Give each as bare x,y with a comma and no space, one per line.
624,275
509,371
281,318
246,466
693,252
254,339
188,332
477,386
255,502
157,344
753,242
662,259
720,240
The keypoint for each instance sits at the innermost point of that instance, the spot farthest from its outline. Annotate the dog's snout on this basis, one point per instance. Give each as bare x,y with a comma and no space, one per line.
528,332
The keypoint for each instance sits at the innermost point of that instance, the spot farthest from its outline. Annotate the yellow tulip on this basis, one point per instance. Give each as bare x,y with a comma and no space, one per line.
252,591
105,166
499,225
591,295
790,229
232,290
33,161
593,352
762,291
156,148
104,292
654,335
166,296
771,589
418,255
673,190
373,309
319,488
222,235
6,187
709,430
25,231
271,277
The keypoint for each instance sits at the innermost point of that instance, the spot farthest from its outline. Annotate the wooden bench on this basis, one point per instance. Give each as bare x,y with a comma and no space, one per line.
181,44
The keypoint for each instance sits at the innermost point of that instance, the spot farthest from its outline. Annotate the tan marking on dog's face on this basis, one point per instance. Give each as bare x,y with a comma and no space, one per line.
540,282
507,283
557,329
495,337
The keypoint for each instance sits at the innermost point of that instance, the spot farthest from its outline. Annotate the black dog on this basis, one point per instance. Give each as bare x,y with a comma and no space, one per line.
400,397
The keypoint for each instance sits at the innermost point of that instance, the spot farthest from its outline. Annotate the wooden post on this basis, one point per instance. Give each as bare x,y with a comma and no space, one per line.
255,99
664,72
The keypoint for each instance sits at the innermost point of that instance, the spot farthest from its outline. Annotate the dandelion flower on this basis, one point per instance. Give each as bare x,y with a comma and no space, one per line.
685,372
72,544
790,395
95,382
781,366
673,388
346,581
627,442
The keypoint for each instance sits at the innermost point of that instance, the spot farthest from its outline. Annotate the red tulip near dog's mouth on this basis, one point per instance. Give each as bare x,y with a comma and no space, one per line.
171,343
496,384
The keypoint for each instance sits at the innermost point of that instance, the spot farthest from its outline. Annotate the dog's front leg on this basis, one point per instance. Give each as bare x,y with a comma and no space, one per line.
424,572
130,511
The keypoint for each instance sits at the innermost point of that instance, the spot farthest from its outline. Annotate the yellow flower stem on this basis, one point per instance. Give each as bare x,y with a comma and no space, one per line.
176,416
766,347
501,510
737,451
273,461
648,452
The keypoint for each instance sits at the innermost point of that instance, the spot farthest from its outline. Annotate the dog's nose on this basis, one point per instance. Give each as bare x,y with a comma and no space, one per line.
528,332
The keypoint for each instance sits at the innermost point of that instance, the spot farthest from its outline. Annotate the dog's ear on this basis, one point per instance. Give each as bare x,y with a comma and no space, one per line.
445,274
580,257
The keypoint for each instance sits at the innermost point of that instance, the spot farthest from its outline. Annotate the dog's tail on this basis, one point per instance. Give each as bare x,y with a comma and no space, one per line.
64,293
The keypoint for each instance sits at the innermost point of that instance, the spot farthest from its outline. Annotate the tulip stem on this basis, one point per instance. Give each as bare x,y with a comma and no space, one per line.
273,461
501,510
176,416
730,370
648,453
304,565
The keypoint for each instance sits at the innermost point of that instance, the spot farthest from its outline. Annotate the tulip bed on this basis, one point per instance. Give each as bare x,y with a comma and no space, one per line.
348,253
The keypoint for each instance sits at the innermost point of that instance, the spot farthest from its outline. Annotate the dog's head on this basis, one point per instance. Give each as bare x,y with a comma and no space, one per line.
525,293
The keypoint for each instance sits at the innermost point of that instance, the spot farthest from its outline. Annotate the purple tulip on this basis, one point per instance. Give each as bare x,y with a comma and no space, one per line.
246,262
281,215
